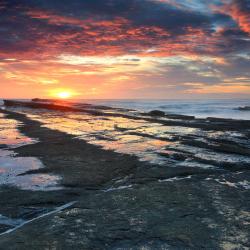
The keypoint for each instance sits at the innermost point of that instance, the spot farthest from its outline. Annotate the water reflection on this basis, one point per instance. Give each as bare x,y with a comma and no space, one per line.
144,139
112,133
13,168
9,134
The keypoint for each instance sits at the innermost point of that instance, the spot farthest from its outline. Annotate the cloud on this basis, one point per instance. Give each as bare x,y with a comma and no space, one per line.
239,10
92,27
117,27
168,43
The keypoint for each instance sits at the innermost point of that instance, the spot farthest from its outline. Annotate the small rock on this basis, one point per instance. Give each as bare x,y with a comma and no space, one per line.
156,113
244,108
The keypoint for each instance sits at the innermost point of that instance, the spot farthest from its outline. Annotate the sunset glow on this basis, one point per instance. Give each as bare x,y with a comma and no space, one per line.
61,93
125,49
64,95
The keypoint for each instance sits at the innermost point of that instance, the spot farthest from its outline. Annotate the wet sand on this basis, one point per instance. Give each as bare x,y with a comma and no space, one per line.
124,203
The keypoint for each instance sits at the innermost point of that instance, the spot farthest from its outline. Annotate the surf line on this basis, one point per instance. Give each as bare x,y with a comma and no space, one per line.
58,209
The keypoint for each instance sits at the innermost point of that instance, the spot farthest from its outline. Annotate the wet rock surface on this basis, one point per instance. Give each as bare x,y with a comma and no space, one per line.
156,113
195,195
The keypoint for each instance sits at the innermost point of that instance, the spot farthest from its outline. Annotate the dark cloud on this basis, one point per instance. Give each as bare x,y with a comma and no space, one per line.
122,26
186,75
117,26
236,67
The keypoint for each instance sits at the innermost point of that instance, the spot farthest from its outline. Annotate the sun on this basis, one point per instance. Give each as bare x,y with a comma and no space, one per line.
64,94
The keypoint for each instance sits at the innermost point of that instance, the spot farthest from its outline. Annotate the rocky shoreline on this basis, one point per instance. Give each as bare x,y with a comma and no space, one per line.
124,203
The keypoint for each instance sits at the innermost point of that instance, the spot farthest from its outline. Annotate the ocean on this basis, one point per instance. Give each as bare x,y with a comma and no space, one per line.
221,108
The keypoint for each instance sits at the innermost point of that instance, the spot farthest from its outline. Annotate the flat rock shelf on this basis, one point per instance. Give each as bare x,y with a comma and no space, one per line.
129,181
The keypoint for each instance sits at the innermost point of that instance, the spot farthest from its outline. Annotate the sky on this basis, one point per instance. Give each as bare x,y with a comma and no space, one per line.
157,49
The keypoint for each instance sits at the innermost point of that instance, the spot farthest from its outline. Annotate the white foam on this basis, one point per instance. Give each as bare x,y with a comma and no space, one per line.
117,188
175,179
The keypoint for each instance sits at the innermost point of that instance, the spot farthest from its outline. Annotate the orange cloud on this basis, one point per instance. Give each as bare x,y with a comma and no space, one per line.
98,36
239,10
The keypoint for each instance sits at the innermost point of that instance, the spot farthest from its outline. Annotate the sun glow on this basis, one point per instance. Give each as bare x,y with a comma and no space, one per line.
64,94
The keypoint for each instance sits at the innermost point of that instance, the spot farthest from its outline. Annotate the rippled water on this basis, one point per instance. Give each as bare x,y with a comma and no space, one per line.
13,168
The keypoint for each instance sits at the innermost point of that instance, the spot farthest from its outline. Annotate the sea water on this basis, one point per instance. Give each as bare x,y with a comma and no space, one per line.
201,108
221,108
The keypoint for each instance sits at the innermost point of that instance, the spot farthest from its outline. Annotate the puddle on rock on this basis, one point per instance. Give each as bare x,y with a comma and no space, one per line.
13,168
9,134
